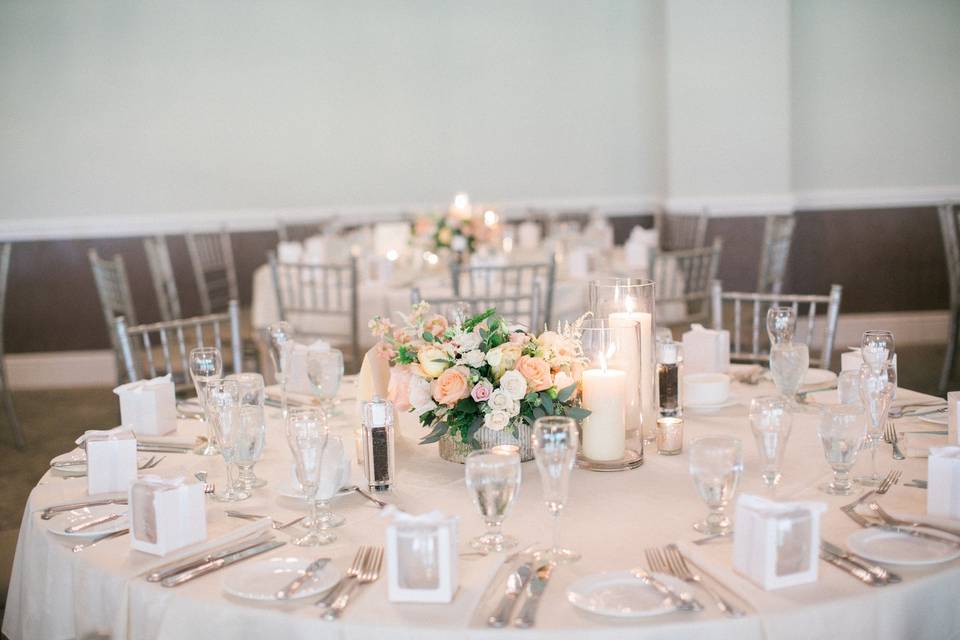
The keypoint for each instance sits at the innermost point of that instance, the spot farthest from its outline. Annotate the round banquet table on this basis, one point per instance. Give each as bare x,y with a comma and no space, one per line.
611,519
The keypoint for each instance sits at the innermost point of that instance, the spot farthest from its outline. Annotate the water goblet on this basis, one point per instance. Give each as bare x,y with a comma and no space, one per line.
848,387
877,386
842,430
206,365
788,364
325,371
770,421
334,460
493,480
281,342
781,324
876,347
555,450
223,406
251,395
253,431
309,441
716,464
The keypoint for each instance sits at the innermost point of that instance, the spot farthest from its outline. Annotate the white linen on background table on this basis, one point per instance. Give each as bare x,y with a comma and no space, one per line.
611,518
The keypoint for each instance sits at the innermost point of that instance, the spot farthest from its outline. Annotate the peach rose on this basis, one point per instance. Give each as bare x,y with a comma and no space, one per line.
519,339
436,325
536,371
398,389
452,385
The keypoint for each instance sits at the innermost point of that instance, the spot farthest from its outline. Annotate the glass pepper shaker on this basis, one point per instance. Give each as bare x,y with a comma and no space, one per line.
669,361
378,443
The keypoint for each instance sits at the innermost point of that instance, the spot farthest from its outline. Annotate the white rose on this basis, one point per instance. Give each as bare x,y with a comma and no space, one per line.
419,392
514,408
500,401
496,421
495,357
473,358
459,243
419,410
514,384
433,361
467,342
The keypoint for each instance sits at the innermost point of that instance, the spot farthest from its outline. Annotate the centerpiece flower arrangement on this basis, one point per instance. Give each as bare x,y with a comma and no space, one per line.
478,382
461,229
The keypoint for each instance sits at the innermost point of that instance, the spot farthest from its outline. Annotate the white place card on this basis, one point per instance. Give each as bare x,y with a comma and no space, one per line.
148,407
167,513
422,558
297,379
943,482
706,350
111,460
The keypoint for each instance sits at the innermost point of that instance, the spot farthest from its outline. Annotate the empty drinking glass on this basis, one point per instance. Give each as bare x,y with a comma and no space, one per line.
848,387
781,324
716,464
251,395
770,420
318,458
493,480
223,407
280,342
877,386
842,430
206,365
253,431
788,364
325,371
877,346
555,449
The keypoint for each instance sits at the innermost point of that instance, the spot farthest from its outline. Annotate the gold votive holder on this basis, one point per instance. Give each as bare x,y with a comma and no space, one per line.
669,436
505,449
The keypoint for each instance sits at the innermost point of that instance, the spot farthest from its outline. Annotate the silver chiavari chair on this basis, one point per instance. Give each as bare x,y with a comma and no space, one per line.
161,272
318,298
948,213
754,345
211,256
683,281
681,231
777,237
288,231
151,350
6,250
515,280
113,288
523,309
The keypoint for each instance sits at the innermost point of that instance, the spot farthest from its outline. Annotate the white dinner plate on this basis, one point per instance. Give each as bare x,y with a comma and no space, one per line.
890,547
78,463
936,418
288,490
79,516
818,377
262,580
731,401
620,594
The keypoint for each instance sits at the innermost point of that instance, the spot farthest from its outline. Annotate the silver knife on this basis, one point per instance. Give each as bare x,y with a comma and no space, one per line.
513,587
93,523
911,531
191,562
857,572
534,591
49,512
220,563
682,601
876,570
299,581
500,576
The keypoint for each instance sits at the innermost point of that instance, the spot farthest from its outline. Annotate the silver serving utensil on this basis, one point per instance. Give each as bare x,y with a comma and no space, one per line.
309,571
533,593
890,437
681,601
857,572
83,526
50,512
92,543
889,519
369,573
220,563
876,570
359,559
515,583
865,522
680,567
370,497
900,410
190,562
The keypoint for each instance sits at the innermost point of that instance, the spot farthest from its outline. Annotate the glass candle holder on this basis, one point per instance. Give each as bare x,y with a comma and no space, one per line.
628,304
669,436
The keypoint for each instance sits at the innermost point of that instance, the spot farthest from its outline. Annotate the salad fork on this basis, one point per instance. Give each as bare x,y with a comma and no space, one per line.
889,519
679,568
890,436
353,572
369,573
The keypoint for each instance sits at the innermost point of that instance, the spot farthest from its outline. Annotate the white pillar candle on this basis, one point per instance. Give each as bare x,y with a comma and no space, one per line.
639,365
604,430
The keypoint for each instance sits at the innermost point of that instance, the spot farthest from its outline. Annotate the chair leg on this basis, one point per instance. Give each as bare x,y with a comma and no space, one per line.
951,351
18,438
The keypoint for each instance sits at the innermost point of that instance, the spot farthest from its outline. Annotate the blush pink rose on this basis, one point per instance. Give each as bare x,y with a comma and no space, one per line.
519,339
398,389
436,325
536,371
452,385
482,390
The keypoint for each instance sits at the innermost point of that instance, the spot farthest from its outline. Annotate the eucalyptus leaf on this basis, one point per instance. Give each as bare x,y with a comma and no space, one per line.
547,402
566,393
577,413
439,430
427,336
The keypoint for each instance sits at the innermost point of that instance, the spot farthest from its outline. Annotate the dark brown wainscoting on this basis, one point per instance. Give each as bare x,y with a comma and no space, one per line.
886,260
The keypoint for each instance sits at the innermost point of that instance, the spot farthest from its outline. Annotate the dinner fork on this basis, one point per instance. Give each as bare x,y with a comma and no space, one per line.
889,519
352,572
890,437
369,573
678,566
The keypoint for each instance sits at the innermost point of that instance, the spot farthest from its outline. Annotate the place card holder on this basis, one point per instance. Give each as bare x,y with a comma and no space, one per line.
943,482
149,407
776,544
167,513
111,461
706,350
422,558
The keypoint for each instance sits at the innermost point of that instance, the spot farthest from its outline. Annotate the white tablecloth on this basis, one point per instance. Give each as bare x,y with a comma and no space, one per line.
611,518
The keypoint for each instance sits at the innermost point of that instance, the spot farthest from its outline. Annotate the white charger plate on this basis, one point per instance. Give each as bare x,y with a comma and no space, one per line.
79,516
262,580
936,418
620,594
890,547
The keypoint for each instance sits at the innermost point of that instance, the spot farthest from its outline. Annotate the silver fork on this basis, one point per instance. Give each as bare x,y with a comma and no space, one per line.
890,436
352,572
369,573
679,567
889,519
658,564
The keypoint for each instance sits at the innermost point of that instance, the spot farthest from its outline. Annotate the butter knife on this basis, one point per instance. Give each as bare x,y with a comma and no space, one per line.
513,587
299,581
93,523
220,563
49,512
194,561
682,601
857,572
876,570
534,591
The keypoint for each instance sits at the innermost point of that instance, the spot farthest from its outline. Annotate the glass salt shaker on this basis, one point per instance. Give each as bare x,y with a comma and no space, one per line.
669,361
378,443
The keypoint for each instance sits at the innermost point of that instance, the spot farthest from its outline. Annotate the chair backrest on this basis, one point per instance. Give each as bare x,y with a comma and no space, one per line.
948,213
6,249
288,231
516,280
517,309
777,236
113,288
151,350
754,345
320,300
681,231
211,256
161,272
683,282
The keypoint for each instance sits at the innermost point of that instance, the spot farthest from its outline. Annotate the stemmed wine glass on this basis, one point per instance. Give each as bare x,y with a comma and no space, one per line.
877,386
876,347
770,421
716,464
555,449
206,365
788,364
842,430
781,324
281,343
493,480
325,371
223,406
318,458
254,426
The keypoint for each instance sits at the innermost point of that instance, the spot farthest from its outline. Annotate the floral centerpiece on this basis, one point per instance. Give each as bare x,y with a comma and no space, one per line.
479,382
461,229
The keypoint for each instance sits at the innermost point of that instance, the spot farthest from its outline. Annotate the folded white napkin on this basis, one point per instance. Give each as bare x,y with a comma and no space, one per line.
918,445
248,530
116,432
